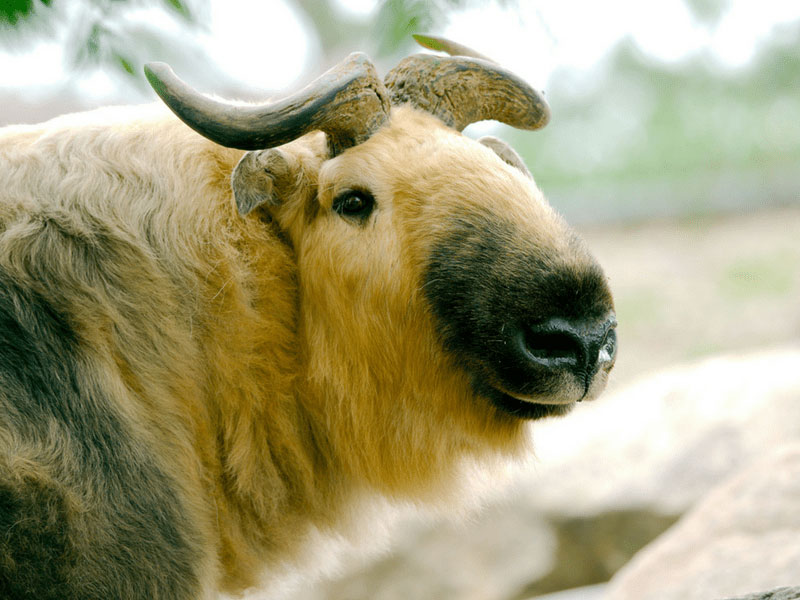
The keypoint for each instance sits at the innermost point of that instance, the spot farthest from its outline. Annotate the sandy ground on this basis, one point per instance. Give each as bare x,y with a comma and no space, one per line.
690,288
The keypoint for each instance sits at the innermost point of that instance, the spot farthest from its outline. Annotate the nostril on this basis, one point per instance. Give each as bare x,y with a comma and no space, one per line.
579,346
552,348
608,349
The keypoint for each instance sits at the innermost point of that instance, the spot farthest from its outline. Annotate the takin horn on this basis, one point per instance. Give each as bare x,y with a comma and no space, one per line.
465,88
349,103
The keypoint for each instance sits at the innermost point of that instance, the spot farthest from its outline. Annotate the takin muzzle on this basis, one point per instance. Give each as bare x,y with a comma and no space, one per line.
534,329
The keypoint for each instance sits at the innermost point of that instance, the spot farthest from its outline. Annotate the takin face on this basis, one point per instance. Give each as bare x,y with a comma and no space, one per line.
432,255
438,291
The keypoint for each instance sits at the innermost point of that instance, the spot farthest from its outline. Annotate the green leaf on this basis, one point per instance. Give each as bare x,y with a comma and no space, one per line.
126,64
398,19
431,43
93,42
11,11
181,8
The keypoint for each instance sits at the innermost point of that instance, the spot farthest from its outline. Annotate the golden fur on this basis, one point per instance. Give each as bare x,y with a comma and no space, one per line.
277,366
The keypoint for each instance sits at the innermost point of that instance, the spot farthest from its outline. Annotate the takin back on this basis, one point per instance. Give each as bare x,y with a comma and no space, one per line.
215,344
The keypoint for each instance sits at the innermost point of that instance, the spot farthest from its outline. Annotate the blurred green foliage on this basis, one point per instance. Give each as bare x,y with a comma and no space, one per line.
398,19
11,11
388,31
636,138
671,120
101,36
771,275
14,11
648,138
707,12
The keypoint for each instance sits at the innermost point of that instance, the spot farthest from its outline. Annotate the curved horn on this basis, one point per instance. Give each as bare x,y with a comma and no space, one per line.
461,90
348,102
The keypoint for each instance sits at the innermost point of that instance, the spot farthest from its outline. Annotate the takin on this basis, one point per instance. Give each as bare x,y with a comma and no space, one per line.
218,342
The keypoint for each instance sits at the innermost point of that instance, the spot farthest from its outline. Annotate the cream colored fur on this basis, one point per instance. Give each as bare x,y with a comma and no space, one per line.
281,366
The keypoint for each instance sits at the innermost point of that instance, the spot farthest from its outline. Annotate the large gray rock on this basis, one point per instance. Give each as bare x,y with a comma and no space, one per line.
663,442
641,457
605,481
743,536
491,558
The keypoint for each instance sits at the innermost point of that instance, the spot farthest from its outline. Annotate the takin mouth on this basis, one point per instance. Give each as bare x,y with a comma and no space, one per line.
557,371
521,409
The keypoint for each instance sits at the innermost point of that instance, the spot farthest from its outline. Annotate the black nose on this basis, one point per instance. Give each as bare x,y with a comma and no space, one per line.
578,346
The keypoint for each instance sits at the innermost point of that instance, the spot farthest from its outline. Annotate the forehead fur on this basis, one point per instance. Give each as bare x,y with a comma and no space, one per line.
416,152
432,174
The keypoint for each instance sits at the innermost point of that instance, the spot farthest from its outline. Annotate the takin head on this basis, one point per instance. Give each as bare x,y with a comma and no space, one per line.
434,277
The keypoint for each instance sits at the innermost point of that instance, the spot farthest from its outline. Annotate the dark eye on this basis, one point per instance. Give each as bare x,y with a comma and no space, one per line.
355,204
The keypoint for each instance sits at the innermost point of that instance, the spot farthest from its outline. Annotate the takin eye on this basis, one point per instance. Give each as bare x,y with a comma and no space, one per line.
354,204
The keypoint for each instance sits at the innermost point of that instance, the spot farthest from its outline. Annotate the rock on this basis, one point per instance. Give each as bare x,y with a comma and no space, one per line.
743,536
641,457
663,442
784,593
591,592
491,558
605,481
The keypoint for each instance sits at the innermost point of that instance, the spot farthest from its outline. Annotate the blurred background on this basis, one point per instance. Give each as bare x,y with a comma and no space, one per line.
674,148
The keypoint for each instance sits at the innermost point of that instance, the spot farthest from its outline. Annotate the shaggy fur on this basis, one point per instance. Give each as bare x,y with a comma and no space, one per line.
187,395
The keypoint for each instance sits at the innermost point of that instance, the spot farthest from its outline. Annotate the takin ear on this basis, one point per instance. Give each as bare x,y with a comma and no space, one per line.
261,177
506,152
